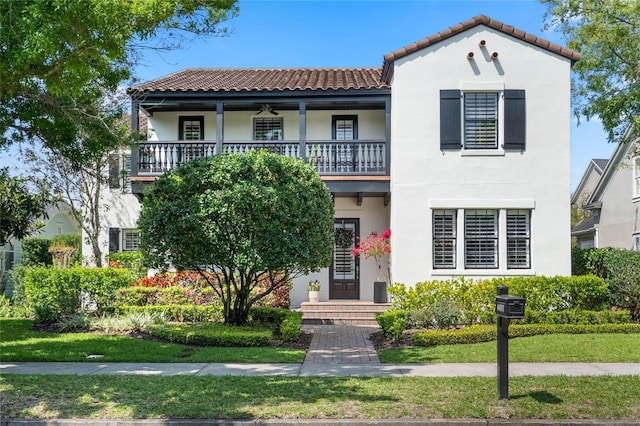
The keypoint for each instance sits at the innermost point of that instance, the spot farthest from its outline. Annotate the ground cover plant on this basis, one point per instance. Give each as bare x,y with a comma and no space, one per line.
244,397
19,343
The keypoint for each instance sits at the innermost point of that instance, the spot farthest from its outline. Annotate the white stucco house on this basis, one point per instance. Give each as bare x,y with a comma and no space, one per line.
459,143
613,198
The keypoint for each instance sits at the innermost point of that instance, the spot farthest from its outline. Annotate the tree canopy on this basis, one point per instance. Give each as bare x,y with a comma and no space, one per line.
239,219
60,58
607,34
19,207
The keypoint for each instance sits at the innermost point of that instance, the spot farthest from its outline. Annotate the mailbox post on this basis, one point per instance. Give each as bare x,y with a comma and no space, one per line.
507,308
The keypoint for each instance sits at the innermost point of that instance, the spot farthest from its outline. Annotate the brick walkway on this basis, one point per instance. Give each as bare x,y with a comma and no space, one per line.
341,344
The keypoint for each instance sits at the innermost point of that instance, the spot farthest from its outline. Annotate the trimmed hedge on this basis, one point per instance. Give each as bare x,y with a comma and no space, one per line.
208,334
53,293
170,295
291,326
178,313
487,333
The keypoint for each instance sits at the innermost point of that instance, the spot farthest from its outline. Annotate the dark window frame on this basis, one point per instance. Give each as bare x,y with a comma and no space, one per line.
334,127
181,121
272,120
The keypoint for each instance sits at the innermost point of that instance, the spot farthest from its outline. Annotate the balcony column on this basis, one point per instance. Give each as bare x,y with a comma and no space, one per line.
302,109
387,135
135,128
219,127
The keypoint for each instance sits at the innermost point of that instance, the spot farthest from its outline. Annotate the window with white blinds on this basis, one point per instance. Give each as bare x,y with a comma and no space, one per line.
267,129
481,239
481,120
191,128
444,239
518,239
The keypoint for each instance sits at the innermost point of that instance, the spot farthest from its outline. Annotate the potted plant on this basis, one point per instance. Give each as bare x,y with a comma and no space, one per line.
314,291
376,246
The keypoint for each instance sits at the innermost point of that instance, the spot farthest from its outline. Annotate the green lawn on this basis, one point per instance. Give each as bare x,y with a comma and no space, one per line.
19,343
543,348
122,397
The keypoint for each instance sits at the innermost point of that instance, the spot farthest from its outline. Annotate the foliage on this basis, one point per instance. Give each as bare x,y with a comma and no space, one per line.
54,78
172,295
56,293
621,270
314,285
131,321
486,333
607,34
131,260
291,326
35,251
176,313
208,334
576,316
248,217
9,310
375,246
268,316
20,208
16,275
473,302
69,240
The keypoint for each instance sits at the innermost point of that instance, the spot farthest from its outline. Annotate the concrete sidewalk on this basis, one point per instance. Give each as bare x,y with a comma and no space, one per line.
321,370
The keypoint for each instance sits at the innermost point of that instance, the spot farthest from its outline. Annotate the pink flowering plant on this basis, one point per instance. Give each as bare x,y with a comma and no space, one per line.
375,246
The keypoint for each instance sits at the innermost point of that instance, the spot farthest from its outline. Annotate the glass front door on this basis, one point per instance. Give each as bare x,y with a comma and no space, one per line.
345,268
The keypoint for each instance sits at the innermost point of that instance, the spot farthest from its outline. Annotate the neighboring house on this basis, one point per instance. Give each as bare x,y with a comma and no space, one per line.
459,143
583,230
614,200
60,221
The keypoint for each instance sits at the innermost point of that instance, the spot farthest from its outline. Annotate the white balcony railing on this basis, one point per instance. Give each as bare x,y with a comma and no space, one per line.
328,157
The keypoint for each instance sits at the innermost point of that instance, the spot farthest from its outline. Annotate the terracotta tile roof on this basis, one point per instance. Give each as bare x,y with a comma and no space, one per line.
463,26
251,80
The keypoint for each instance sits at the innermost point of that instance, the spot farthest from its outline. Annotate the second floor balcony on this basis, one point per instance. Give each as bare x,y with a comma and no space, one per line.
330,157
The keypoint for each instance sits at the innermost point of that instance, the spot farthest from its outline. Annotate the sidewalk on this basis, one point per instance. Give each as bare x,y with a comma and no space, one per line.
334,351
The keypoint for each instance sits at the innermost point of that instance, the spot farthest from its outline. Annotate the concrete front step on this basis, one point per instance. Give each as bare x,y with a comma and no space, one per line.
342,312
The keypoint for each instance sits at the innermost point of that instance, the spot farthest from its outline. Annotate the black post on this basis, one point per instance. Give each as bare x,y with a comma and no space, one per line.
503,352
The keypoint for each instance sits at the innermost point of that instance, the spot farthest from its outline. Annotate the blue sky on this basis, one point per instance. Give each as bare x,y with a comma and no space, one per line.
331,33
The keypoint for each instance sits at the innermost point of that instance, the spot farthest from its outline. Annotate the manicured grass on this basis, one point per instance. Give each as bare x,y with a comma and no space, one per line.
119,397
544,348
19,343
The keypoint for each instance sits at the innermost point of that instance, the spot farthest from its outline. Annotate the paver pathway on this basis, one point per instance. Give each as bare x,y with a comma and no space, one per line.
341,344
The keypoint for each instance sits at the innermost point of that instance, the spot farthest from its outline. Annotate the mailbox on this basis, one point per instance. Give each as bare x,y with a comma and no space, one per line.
508,306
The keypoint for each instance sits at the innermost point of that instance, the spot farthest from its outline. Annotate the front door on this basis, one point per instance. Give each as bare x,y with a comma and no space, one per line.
344,275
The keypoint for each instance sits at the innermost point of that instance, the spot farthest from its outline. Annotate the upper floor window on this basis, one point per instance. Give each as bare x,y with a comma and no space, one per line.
268,129
636,176
471,120
480,120
191,128
344,127
119,170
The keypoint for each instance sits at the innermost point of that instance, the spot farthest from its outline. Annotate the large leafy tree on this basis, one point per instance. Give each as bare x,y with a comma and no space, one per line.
239,220
20,207
59,58
607,34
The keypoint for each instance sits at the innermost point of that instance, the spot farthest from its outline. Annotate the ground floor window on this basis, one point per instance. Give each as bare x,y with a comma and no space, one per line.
636,242
490,239
124,239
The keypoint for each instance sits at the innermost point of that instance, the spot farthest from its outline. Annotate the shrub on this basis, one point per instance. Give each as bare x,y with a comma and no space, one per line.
56,293
487,333
16,275
35,251
207,334
268,316
131,321
131,260
9,310
173,295
291,326
576,316
69,240
178,313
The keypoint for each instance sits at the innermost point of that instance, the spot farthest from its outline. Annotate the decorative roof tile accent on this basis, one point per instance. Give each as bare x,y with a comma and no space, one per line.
252,80
387,68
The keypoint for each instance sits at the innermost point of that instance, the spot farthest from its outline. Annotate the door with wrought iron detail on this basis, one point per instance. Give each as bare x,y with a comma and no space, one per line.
344,275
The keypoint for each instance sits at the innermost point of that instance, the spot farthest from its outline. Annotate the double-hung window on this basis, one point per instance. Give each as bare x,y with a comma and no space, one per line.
267,129
480,239
130,239
480,120
444,239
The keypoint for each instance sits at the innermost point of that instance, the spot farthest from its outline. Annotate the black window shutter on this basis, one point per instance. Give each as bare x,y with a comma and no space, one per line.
114,239
114,171
450,119
515,119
